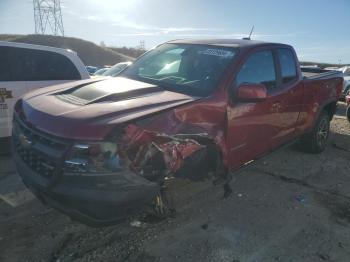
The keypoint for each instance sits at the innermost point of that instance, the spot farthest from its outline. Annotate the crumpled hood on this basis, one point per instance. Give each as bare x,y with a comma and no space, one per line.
88,110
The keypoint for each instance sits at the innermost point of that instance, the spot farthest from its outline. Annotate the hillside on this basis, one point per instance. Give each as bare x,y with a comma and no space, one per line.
90,53
129,51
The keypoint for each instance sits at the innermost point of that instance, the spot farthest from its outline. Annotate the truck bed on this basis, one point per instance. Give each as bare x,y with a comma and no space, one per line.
316,73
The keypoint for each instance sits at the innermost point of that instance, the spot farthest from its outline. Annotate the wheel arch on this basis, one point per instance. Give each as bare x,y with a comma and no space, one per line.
330,108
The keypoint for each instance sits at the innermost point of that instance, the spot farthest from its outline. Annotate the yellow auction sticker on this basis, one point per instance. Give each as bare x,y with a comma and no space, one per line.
4,94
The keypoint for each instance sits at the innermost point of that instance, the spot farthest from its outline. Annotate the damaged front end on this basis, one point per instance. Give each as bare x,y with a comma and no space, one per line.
157,156
103,182
134,152
147,154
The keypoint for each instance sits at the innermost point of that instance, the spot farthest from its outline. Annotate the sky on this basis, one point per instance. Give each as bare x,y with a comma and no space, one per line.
319,30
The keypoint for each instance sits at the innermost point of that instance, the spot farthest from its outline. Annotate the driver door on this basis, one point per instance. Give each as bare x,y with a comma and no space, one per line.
251,125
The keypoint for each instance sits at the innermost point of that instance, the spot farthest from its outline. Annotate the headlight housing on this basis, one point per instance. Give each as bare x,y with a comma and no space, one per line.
94,157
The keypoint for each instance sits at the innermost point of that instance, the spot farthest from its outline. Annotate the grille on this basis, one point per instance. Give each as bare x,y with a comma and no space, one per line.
42,153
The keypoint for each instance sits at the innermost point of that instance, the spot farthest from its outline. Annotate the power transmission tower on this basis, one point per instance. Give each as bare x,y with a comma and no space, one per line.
142,44
47,13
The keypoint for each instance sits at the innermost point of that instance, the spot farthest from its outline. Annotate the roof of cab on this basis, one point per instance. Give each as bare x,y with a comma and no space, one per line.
224,42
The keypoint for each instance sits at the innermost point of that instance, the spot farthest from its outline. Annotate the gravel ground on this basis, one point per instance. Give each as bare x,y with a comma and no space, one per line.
291,206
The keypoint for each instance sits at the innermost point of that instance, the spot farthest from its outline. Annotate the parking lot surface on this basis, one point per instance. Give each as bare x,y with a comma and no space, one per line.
290,206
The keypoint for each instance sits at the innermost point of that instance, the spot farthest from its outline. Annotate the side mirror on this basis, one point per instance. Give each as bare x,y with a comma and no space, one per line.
249,92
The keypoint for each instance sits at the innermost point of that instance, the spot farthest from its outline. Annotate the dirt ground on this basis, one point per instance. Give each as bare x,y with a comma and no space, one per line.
291,206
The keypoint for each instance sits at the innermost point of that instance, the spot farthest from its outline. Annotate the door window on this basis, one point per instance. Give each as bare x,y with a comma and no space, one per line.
258,69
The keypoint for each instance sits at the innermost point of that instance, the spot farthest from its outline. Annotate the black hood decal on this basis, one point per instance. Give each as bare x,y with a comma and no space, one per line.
104,91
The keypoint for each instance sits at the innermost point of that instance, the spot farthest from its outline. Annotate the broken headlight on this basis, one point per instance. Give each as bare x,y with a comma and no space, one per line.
99,157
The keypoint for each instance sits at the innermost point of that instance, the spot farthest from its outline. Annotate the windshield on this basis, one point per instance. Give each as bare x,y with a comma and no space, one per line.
185,68
116,69
100,71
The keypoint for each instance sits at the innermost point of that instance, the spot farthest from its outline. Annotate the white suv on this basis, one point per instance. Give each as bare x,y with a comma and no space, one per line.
346,75
25,67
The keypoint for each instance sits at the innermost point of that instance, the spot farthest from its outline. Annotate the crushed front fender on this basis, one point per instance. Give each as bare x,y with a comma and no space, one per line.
96,200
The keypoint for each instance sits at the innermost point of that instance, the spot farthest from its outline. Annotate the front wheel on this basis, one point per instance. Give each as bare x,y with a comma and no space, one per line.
315,142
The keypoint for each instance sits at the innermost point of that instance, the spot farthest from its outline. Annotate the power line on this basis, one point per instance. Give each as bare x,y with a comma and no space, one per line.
48,17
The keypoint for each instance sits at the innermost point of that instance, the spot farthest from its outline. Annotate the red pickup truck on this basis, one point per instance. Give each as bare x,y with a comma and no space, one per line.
195,109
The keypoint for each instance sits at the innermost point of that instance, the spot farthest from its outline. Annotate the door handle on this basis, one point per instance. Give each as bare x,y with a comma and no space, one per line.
276,107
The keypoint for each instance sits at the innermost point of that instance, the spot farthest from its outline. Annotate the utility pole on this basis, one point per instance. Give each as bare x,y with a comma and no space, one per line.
48,17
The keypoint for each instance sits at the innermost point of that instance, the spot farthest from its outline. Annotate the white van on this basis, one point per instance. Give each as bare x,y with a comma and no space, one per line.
25,67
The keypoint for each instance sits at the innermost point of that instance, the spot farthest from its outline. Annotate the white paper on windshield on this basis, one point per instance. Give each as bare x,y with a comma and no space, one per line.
217,52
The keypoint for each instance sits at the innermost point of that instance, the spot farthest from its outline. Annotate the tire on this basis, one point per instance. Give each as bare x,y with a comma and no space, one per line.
348,112
315,142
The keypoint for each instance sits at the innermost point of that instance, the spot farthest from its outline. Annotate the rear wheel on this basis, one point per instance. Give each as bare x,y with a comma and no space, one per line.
316,141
